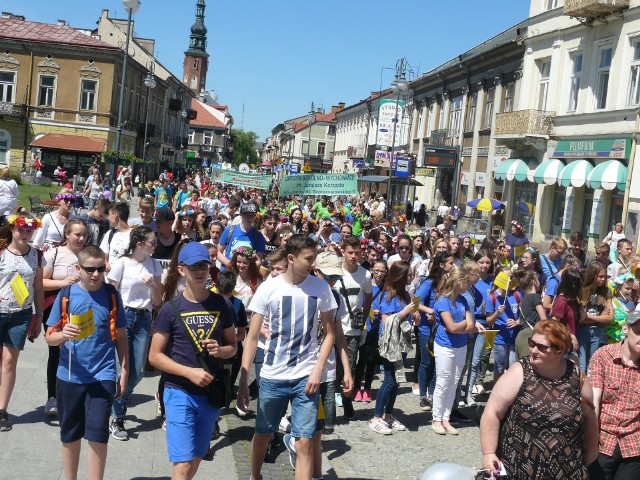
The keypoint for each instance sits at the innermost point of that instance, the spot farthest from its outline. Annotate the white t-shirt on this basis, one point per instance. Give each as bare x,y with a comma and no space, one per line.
614,236
329,372
357,284
129,274
52,230
119,245
443,210
414,261
291,351
23,265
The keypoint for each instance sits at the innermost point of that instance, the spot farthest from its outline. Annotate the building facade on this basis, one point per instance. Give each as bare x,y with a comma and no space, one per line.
196,58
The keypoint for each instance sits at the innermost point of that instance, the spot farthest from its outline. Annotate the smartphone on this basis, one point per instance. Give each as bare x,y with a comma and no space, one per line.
416,303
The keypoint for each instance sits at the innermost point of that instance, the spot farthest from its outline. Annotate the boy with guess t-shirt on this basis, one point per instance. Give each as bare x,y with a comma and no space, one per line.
87,369
198,320
293,363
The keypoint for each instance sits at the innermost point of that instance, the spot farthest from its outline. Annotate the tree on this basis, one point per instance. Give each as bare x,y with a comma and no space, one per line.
244,146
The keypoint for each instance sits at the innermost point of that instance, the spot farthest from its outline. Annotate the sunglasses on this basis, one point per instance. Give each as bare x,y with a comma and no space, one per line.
404,248
199,267
541,348
101,269
333,278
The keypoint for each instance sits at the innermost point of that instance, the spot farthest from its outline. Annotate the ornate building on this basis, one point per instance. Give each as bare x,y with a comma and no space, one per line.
196,58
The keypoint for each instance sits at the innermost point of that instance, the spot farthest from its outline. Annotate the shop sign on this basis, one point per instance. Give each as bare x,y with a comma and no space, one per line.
568,214
590,148
388,115
425,172
596,217
403,166
464,178
481,179
358,163
320,184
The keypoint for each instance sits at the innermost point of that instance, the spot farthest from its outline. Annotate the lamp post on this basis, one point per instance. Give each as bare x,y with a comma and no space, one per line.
132,7
184,122
150,83
399,85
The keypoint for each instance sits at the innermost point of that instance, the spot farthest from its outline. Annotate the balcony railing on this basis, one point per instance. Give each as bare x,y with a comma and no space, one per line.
12,109
523,123
593,8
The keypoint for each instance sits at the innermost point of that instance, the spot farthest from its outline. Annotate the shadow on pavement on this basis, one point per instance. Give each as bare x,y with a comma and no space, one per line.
334,447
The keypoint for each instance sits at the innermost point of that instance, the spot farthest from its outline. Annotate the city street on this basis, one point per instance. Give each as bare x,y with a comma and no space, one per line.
32,449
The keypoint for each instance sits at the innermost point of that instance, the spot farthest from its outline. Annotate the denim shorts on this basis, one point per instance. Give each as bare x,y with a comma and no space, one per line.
13,328
274,398
503,357
190,421
84,410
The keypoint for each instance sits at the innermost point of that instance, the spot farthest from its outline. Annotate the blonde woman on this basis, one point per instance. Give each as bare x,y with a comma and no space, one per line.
52,232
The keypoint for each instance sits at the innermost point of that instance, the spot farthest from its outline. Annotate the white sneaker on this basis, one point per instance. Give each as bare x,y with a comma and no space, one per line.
394,424
285,425
378,425
51,407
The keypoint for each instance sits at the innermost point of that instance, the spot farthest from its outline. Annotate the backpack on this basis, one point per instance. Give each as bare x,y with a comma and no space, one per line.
493,297
64,306
254,233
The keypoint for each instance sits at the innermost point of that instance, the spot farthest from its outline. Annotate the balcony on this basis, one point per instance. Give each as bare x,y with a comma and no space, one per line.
442,137
16,110
589,10
523,123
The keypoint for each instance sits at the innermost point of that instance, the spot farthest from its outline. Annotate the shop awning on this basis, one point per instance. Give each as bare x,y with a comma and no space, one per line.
575,174
608,175
547,172
72,143
394,180
513,169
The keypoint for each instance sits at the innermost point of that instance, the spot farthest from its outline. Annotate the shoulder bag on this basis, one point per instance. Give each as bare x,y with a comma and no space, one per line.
357,317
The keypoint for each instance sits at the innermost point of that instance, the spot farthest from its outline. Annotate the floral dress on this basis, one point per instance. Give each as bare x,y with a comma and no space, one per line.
541,436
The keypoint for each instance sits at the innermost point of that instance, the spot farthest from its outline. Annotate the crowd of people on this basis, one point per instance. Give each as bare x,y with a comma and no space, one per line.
209,283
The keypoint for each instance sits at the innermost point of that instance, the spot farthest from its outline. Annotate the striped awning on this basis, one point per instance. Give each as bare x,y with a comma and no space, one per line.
547,172
608,175
575,174
513,169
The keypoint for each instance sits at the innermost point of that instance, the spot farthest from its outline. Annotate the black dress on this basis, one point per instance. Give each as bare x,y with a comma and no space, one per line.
541,436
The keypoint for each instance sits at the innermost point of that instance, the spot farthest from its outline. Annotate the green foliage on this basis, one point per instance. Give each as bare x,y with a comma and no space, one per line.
244,144
17,178
123,157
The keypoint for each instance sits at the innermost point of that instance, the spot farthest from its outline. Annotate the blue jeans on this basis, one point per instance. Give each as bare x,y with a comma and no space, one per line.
503,357
139,337
426,368
386,398
92,203
590,338
478,348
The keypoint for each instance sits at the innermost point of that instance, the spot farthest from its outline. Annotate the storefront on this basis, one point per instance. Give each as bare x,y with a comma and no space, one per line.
75,153
519,190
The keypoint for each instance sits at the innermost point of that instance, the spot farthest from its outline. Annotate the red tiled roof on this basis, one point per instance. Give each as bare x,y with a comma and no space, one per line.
47,33
205,117
75,143
328,117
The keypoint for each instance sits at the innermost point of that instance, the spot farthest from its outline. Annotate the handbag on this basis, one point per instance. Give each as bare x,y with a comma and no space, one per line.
357,317
217,389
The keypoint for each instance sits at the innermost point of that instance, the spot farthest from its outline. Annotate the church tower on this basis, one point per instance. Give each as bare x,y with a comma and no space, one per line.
196,58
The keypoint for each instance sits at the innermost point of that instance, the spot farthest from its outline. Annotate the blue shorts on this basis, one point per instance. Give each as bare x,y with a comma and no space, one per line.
84,410
274,398
13,328
190,422
503,357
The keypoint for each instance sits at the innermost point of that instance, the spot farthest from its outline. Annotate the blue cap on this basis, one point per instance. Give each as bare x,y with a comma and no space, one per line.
193,252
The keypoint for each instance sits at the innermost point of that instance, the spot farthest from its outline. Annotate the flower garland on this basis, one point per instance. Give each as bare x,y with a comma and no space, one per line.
65,196
21,221
247,252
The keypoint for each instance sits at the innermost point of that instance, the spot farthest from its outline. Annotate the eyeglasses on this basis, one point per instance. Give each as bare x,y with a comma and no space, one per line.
527,258
404,248
541,348
333,278
101,269
199,267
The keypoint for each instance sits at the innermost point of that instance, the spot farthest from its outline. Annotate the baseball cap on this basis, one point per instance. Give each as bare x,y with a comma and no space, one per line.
165,215
193,252
329,264
633,317
249,208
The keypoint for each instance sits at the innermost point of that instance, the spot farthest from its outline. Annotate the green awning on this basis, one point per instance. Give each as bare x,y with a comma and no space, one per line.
513,169
608,175
575,174
547,172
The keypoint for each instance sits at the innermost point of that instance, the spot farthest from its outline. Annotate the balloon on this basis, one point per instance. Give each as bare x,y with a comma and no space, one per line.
106,194
448,471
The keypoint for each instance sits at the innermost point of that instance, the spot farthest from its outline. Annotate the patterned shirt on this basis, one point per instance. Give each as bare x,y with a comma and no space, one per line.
620,403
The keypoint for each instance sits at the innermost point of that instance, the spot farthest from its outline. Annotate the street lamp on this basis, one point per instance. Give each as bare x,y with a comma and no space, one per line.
184,122
131,6
150,83
399,86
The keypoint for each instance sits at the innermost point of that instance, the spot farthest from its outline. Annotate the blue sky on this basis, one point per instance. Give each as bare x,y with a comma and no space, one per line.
278,56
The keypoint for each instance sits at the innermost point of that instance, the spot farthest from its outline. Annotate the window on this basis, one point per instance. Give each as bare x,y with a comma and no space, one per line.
322,147
208,138
576,73
192,137
551,4
194,82
45,96
195,64
441,116
430,118
543,84
454,116
633,97
488,108
509,95
471,117
304,148
602,76
88,95
7,81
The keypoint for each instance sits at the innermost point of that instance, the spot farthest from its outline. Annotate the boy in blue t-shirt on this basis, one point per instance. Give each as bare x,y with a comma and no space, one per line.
242,234
87,369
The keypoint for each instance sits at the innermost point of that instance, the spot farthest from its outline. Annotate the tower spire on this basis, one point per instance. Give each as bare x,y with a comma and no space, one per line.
196,57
